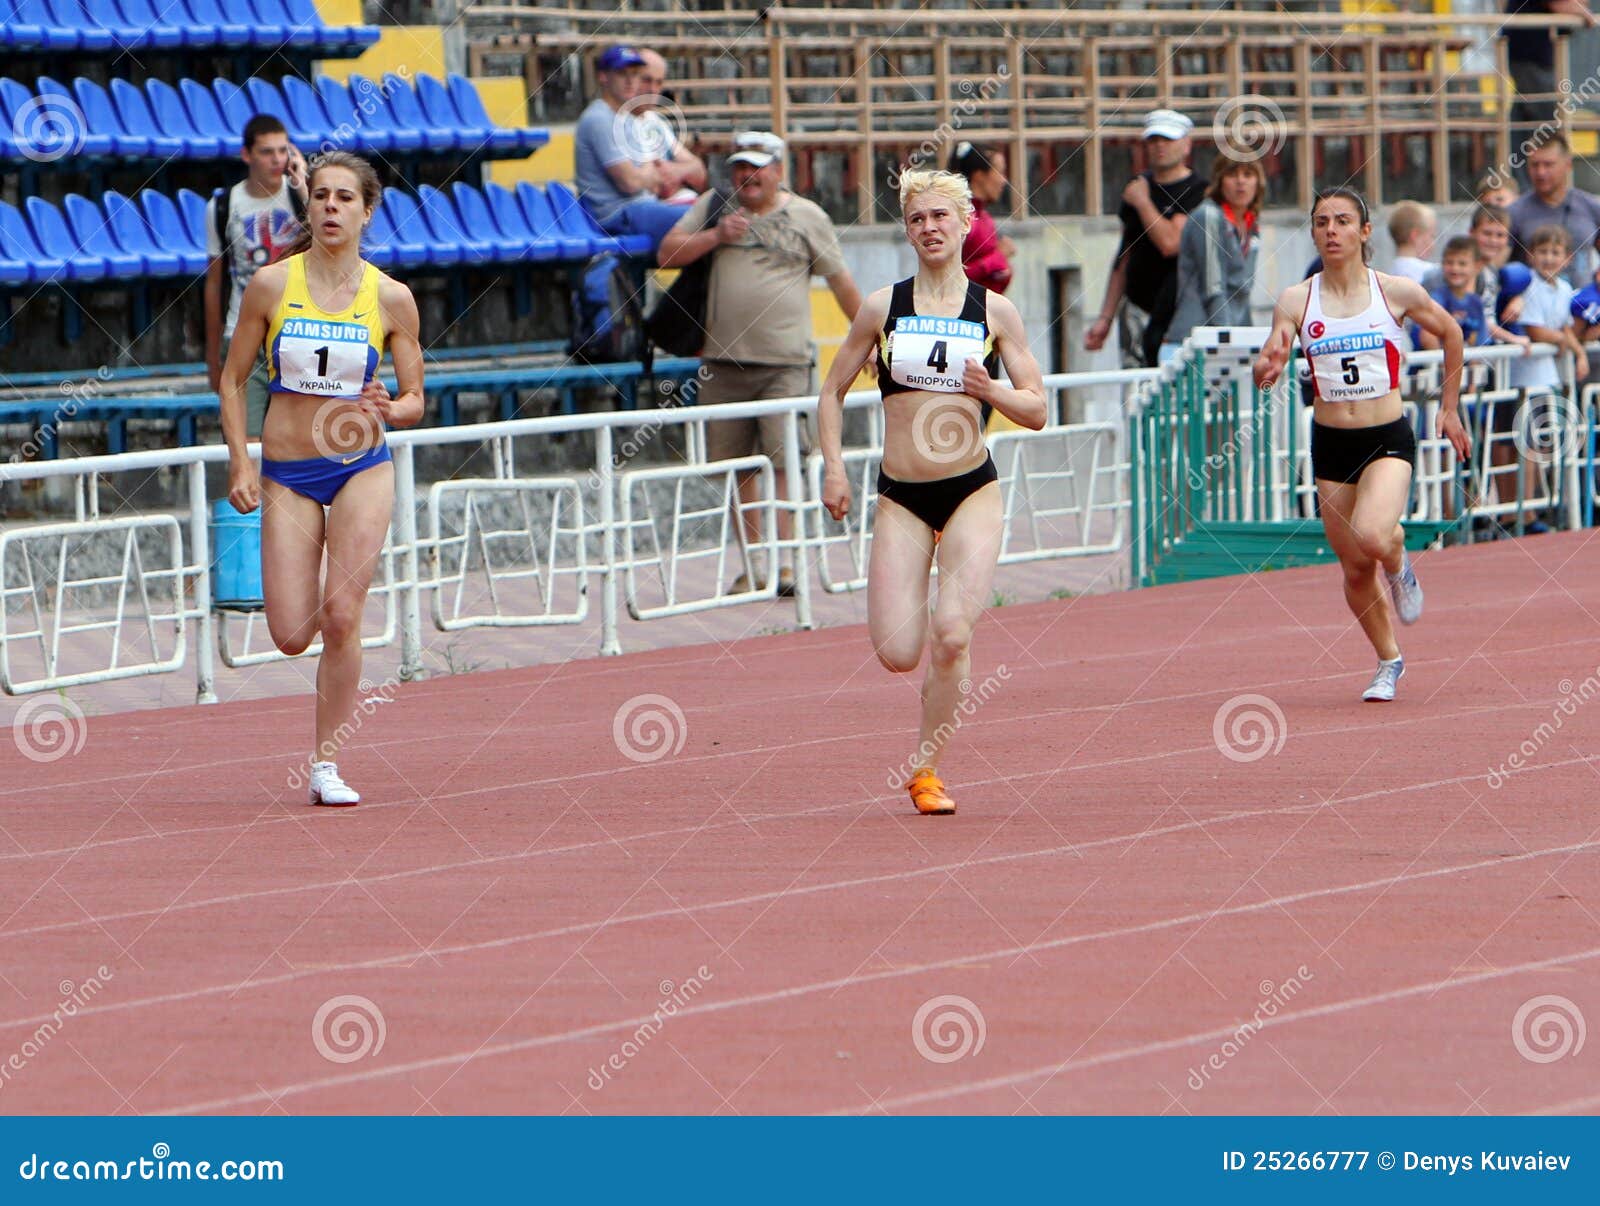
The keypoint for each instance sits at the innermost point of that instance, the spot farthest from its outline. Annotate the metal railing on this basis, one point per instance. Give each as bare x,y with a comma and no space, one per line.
511,550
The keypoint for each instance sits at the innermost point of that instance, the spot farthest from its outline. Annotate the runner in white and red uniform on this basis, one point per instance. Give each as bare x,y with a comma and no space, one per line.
1350,323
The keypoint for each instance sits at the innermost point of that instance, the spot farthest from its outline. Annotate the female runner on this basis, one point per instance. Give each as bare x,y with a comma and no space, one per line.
1350,323
326,484
937,337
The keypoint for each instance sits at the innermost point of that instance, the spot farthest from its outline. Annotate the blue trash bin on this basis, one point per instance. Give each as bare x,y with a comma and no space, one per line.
236,558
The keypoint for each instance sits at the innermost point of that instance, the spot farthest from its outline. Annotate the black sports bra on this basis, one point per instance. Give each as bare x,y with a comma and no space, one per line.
920,352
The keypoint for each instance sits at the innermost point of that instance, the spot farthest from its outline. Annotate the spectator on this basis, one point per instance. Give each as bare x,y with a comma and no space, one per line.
1460,298
249,225
986,254
1586,306
1530,55
1143,285
758,311
1413,228
615,183
683,174
1553,201
1495,189
1547,315
1499,287
1217,251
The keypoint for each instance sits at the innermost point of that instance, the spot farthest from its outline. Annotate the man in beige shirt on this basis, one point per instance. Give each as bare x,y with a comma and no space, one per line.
768,244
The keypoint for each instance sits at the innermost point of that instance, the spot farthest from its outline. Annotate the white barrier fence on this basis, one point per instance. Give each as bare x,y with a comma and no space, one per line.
514,551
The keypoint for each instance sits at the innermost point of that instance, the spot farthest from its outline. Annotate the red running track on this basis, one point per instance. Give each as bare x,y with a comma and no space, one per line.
1350,914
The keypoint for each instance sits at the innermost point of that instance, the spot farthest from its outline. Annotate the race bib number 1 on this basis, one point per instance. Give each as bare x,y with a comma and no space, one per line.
327,359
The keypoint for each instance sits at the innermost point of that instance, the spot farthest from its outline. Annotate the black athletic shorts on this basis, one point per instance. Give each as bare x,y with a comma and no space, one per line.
1341,454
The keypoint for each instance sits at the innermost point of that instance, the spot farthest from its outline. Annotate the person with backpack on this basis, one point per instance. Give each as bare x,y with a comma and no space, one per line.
766,245
248,226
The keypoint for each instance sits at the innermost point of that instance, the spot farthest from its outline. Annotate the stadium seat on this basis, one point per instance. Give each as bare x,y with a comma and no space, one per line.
441,110
343,111
162,25
133,110
106,15
101,116
574,220
173,119
18,244
308,116
397,251
510,245
408,113
134,234
264,97
411,228
234,103
542,221
286,32
509,216
469,106
209,15
168,226
206,115
86,222
18,30
89,34
59,243
382,118
439,212
192,215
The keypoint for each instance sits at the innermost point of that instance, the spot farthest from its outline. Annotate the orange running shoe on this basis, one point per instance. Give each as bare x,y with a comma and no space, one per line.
927,793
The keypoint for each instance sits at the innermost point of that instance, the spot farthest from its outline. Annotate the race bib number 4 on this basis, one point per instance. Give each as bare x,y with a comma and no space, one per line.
932,353
327,359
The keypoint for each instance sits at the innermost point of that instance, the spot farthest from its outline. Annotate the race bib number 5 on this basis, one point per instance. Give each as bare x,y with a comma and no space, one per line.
327,359
931,353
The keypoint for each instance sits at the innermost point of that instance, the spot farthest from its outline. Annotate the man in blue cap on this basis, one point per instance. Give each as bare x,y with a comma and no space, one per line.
617,184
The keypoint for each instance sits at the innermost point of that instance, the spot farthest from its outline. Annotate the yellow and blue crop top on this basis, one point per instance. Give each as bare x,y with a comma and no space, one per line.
922,352
311,351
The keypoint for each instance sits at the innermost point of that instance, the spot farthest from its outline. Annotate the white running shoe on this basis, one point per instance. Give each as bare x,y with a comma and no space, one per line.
1405,592
327,788
1381,688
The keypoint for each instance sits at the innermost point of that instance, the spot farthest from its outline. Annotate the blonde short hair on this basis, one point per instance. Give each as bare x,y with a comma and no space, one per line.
949,185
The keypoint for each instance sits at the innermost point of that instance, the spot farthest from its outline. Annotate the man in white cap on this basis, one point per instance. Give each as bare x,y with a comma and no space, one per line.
1143,285
768,244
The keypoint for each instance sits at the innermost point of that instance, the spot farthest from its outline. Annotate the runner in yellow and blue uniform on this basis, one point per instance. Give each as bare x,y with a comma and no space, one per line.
326,483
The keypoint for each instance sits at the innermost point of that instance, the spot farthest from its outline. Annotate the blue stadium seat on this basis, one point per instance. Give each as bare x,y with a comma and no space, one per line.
285,32
192,215
510,217
102,117
307,113
206,115
510,245
439,212
65,119
87,224
134,111
168,225
408,113
234,103
90,35
399,252
58,241
411,227
336,100
161,25
574,220
18,244
364,91
306,23
135,235
441,110
264,98
469,106
209,15
541,212
18,30
104,13
173,119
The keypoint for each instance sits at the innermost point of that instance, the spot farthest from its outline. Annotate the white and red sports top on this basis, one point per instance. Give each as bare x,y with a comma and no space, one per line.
1354,359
